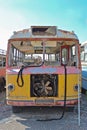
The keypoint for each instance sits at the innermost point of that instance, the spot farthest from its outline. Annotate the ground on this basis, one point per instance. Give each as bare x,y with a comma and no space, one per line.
31,118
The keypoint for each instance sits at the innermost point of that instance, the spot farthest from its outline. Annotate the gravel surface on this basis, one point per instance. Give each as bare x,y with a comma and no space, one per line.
28,118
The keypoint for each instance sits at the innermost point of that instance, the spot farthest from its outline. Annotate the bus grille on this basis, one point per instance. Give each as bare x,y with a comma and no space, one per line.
44,85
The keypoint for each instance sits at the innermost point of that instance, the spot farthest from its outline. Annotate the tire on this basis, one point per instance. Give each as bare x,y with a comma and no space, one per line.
16,109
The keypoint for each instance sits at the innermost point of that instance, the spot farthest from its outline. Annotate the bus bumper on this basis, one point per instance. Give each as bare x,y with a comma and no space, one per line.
43,103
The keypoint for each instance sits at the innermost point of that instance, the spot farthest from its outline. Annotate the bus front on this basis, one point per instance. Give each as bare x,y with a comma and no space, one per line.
35,70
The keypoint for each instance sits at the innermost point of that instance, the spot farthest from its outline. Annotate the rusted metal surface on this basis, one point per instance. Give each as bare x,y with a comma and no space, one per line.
60,34
2,69
2,58
42,103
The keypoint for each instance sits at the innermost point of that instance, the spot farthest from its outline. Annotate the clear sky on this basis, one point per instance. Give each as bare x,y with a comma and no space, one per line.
69,15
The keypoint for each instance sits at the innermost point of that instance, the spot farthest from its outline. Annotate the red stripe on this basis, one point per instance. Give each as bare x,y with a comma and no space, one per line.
32,103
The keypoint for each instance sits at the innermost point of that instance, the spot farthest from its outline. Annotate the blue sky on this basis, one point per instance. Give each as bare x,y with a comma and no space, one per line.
20,14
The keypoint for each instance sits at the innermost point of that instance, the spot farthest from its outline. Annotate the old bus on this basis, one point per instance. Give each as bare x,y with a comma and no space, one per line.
84,66
43,67
2,70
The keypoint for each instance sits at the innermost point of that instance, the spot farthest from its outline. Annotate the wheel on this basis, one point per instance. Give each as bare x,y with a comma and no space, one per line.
16,109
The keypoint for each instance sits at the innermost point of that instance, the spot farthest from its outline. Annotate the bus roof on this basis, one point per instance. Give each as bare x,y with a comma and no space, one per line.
43,32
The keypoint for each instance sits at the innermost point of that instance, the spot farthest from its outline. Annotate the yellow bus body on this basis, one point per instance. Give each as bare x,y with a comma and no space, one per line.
22,94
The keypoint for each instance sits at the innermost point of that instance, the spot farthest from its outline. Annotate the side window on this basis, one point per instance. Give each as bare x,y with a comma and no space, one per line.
82,56
15,56
58,57
85,56
64,56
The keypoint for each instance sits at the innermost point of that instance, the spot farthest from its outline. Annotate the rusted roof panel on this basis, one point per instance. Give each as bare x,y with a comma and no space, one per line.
66,34
27,33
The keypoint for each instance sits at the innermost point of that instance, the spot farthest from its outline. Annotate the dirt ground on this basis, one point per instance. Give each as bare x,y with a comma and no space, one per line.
28,119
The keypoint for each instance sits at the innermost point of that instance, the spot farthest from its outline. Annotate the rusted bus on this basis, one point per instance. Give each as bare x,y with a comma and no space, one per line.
84,66
41,61
2,69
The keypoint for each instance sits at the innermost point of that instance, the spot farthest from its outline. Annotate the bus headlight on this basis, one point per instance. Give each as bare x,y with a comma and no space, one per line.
10,87
76,87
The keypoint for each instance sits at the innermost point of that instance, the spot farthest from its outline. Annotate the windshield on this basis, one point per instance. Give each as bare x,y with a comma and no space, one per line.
32,53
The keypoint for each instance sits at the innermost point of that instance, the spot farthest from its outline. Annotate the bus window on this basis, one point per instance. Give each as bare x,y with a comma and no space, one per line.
2,58
85,56
58,57
65,55
82,56
84,53
73,51
15,56
18,57
73,55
